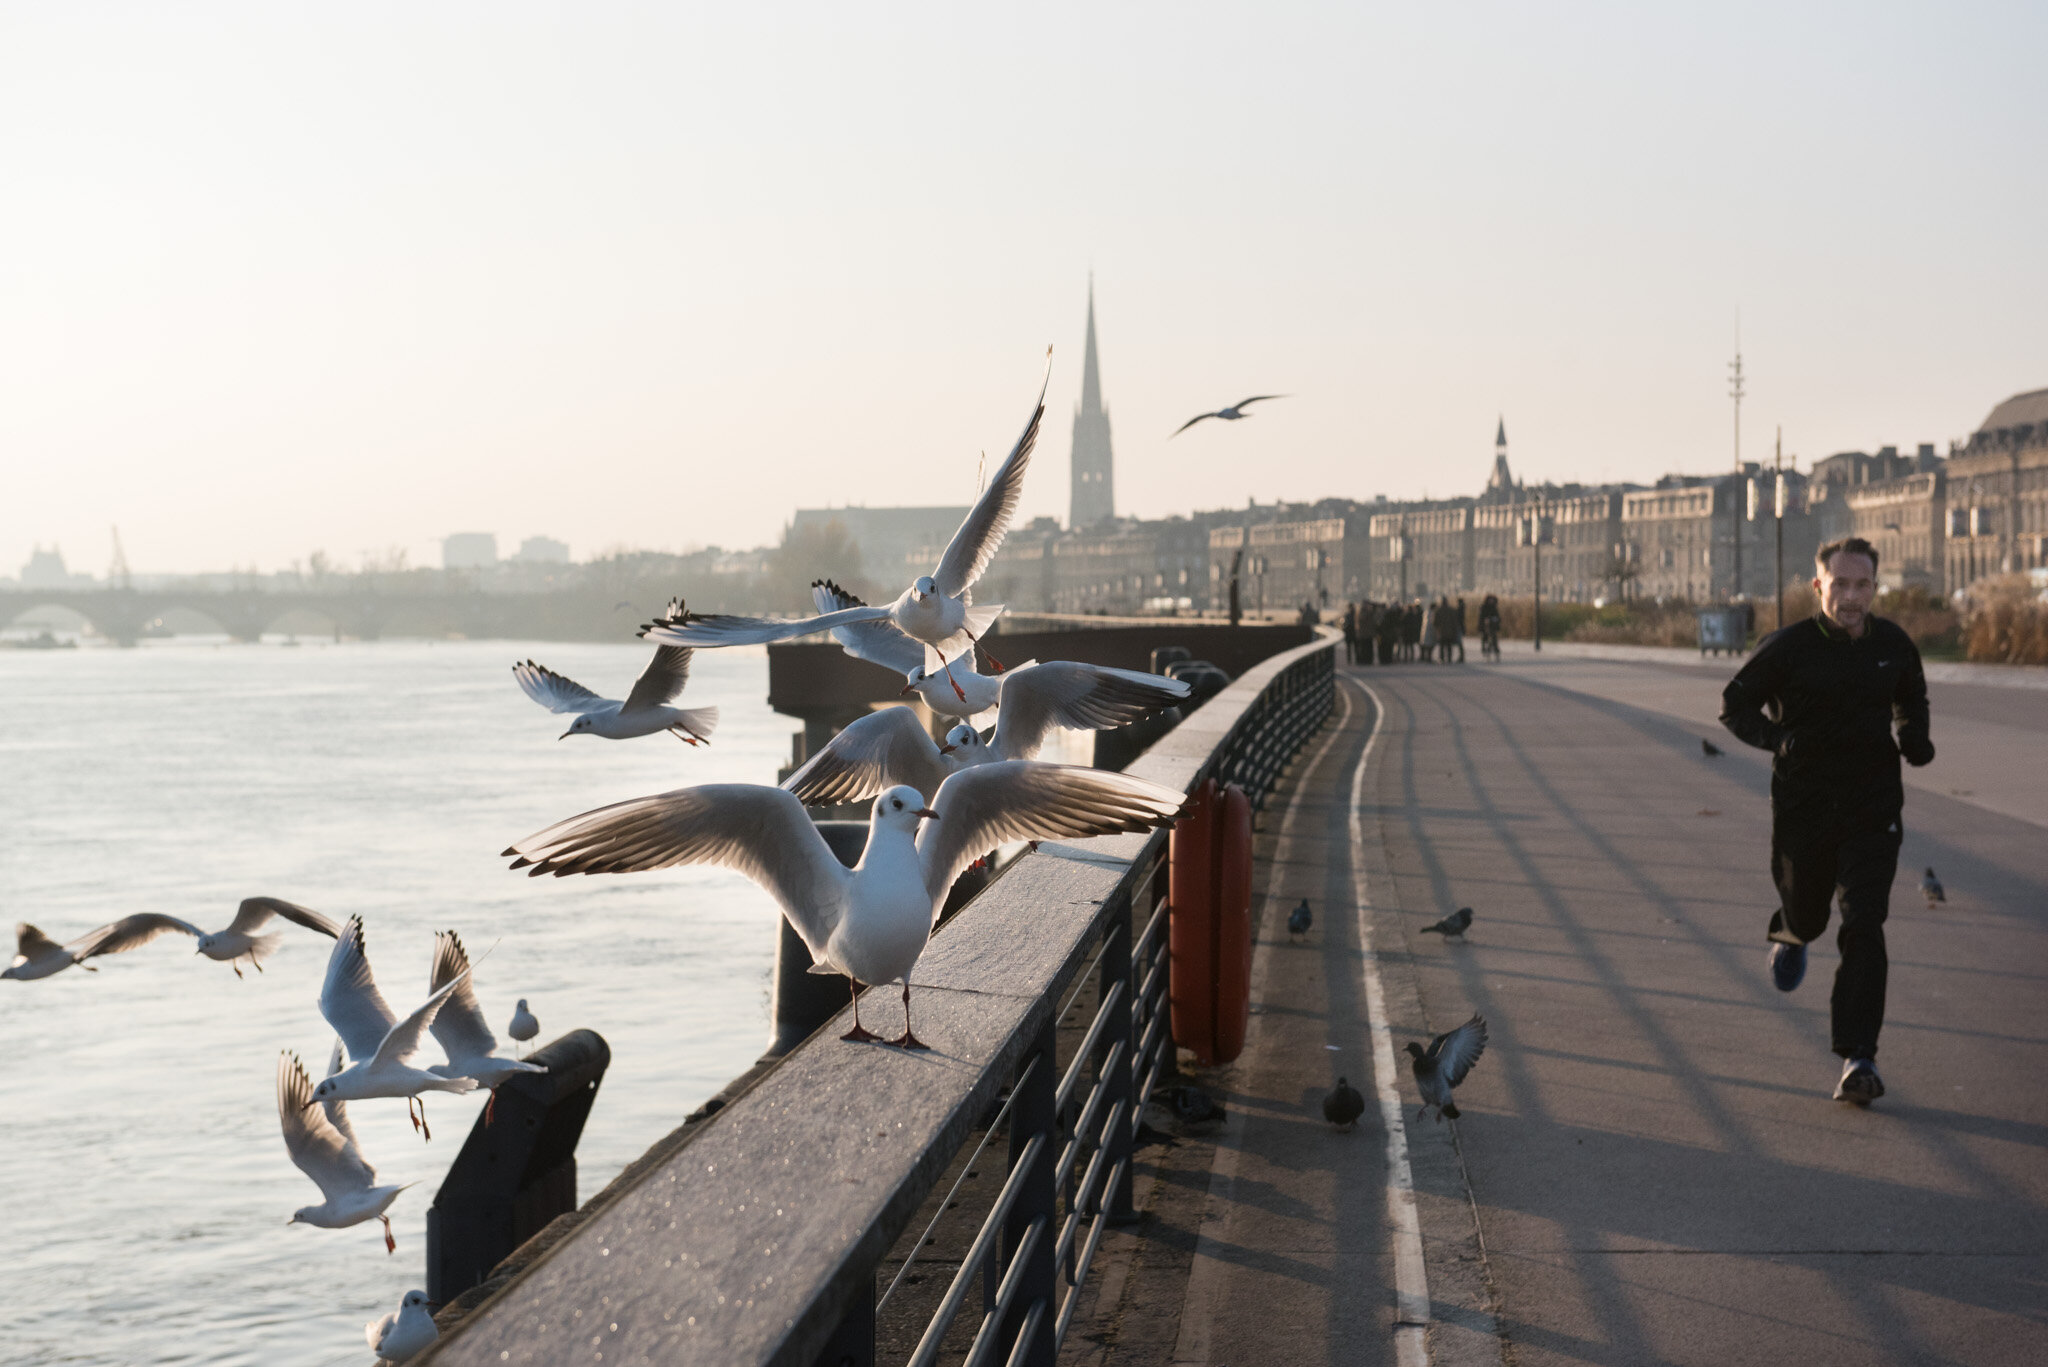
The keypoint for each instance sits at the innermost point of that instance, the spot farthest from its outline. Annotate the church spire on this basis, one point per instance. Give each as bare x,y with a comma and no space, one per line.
1094,488
1091,377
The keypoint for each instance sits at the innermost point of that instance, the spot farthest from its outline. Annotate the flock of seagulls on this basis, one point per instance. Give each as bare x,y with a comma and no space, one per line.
938,807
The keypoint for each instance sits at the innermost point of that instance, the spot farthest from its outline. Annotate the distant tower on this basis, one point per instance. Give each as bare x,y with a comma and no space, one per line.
1500,485
1094,468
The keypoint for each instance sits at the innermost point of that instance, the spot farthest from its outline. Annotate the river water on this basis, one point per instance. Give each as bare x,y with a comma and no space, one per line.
146,1182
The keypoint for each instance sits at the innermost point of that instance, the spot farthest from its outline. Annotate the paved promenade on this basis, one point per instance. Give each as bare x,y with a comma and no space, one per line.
1649,1169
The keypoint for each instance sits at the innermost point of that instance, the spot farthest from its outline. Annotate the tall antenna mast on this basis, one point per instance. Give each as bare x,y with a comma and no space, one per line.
1735,503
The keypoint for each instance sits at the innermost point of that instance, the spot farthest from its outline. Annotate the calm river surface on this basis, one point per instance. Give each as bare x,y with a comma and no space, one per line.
146,1181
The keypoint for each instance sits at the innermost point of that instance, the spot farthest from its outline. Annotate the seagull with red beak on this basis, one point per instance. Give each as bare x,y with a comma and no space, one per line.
869,922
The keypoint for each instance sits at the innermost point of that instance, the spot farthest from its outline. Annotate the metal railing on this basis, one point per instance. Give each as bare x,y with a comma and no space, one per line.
760,1239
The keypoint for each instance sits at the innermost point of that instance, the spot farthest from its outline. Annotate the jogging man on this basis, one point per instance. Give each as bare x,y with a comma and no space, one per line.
1823,696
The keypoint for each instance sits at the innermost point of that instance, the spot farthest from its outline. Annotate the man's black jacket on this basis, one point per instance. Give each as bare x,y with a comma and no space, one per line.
1824,704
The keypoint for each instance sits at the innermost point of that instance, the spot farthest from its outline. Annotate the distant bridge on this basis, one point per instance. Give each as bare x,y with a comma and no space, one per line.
353,610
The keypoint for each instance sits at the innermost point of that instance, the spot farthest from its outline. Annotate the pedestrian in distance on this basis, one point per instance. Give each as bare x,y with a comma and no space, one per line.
1489,627
1351,633
1429,632
1824,696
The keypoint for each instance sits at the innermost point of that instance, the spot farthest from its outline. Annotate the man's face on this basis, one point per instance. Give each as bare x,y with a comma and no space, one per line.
1846,585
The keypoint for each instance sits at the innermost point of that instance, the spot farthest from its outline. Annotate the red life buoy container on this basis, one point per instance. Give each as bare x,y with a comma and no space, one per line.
1209,891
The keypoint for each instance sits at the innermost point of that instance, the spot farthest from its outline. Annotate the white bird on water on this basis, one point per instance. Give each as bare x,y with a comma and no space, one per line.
938,609
870,922
404,1332
646,710
380,1044
322,1145
460,1028
890,746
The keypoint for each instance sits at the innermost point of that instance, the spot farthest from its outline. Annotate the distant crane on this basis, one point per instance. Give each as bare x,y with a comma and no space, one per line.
118,576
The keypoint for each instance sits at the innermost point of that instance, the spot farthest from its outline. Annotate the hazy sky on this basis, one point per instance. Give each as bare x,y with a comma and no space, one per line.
278,278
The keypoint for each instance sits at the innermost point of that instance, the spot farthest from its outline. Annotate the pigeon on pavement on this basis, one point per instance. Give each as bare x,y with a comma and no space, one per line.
1708,748
1444,1064
1455,924
1930,887
1343,1106
1190,1104
1300,919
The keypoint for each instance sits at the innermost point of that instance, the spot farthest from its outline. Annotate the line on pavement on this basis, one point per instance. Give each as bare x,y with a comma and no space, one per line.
1198,1311
1411,1275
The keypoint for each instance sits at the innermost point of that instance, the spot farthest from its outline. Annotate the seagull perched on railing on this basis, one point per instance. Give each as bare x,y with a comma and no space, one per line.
1230,414
937,610
380,1044
869,922
891,746
646,710
322,1145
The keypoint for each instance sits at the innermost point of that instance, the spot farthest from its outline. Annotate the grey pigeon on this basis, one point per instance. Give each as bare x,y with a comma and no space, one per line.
1708,748
1444,1064
1343,1106
1300,919
1930,887
1455,924
1190,1104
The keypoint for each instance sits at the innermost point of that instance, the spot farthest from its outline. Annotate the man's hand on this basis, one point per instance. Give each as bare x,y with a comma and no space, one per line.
1919,753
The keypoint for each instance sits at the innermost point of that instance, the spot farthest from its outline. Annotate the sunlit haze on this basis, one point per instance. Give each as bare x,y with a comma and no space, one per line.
283,278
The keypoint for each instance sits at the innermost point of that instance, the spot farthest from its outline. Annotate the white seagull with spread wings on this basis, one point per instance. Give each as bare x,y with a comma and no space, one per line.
460,1028
646,710
38,956
869,922
890,746
937,610
1230,414
380,1044
322,1145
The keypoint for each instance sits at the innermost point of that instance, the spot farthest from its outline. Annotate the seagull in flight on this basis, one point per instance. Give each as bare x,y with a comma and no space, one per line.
646,710
1230,414
380,1044
459,1026
38,956
322,1145
870,922
938,609
239,941
891,747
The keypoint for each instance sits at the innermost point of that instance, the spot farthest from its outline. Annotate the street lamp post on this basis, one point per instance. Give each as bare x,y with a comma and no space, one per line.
1531,527
1778,492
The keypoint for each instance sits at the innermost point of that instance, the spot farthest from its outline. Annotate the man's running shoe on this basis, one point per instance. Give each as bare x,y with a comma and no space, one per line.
1860,1082
1788,966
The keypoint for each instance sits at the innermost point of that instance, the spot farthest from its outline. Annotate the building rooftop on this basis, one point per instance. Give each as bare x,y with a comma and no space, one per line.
2018,411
